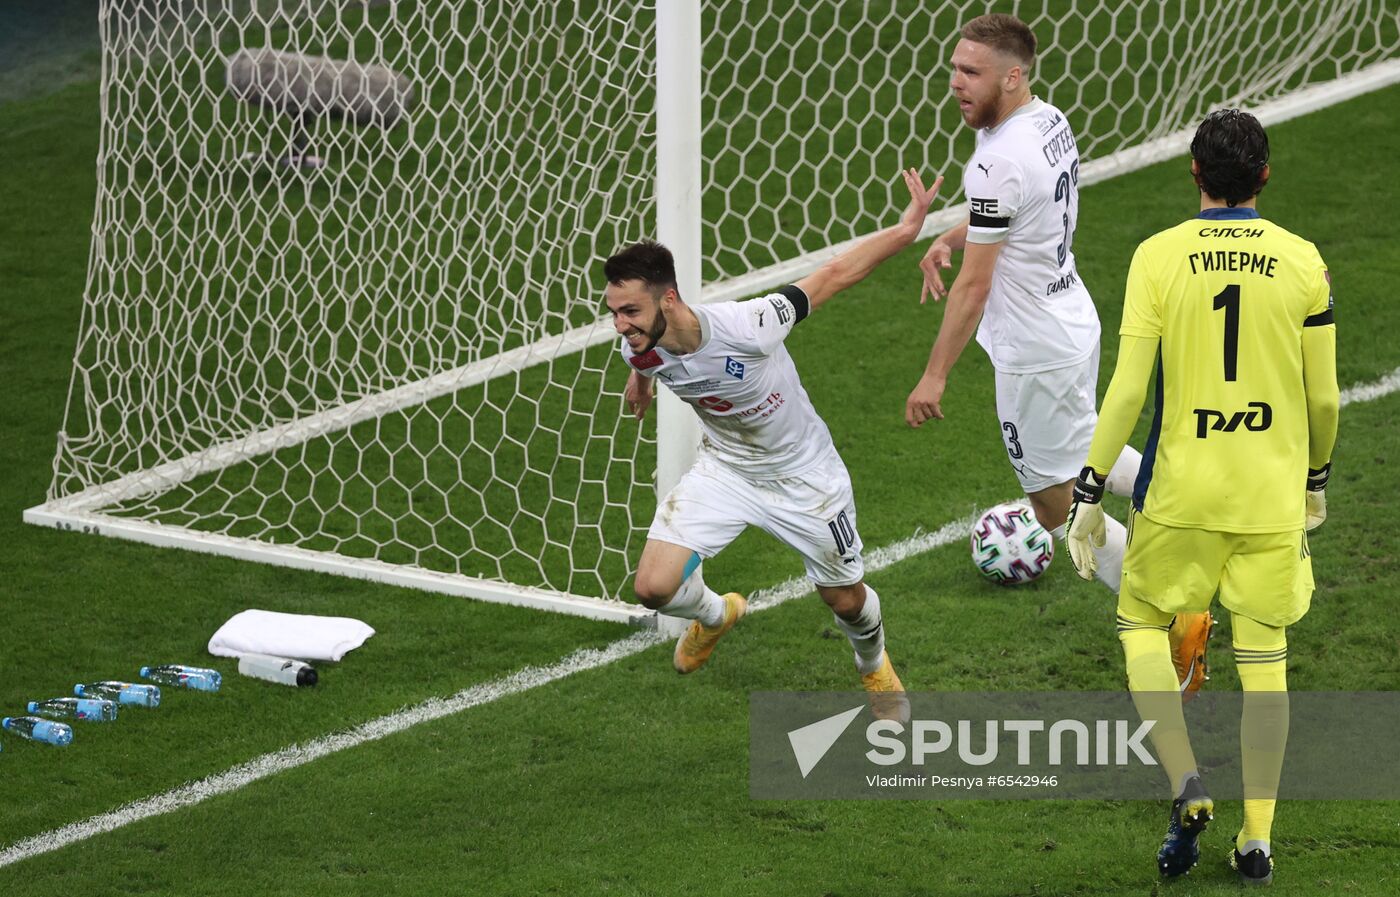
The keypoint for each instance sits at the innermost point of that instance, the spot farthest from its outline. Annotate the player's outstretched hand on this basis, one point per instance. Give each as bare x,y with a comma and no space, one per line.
923,403
919,198
938,259
638,395
1085,528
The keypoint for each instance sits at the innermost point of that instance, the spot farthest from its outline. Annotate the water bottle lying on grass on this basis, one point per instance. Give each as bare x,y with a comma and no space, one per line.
198,678
35,729
93,710
121,692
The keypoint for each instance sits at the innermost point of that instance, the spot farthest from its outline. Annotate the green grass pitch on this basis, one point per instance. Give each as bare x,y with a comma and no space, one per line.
627,780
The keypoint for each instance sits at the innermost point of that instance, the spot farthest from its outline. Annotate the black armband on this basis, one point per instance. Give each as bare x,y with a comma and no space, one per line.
1318,477
1089,487
800,305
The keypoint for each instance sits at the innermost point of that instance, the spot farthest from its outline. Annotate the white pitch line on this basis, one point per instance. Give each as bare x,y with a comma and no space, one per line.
434,708
1366,392
523,680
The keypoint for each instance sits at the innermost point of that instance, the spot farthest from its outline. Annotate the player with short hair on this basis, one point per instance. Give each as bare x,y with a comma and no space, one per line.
1234,313
766,458
1020,290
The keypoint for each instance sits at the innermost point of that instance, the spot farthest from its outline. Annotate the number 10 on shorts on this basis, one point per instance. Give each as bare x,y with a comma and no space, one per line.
843,533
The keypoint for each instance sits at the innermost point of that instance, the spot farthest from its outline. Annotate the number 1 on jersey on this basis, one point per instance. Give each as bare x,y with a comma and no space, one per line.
1229,299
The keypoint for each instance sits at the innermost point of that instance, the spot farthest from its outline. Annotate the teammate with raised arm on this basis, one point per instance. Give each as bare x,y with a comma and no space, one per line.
1020,290
1234,315
766,457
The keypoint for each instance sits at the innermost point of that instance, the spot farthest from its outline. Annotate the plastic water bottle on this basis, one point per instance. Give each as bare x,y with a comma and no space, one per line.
93,710
121,692
277,669
36,729
197,678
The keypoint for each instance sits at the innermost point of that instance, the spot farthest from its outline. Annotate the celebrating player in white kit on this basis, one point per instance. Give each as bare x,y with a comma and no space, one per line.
766,458
1018,278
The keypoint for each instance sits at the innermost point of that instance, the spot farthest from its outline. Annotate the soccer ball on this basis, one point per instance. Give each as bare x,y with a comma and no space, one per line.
1009,546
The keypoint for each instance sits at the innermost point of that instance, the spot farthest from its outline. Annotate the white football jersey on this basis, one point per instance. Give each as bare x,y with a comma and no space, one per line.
754,414
1022,188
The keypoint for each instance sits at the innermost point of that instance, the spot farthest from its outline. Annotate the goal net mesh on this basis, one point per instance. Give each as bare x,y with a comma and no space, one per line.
396,352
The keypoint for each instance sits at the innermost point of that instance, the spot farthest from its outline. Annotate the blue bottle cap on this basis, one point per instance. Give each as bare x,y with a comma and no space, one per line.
78,690
145,671
32,706
5,721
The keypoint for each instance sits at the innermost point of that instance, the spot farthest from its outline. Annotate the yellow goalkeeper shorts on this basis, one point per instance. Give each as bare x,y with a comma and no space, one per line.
1264,576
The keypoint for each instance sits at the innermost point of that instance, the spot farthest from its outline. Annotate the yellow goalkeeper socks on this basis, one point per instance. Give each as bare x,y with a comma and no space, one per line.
1261,655
1152,679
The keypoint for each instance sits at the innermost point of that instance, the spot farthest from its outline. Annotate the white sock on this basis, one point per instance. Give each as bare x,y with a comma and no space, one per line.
866,633
1109,558
696,601
1123,477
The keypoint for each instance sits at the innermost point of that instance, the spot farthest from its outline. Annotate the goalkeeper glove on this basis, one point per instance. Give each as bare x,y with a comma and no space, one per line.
1086,528
1315,503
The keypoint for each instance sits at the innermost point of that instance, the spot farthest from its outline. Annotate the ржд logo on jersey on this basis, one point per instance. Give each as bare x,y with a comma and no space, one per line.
734,368
1208,419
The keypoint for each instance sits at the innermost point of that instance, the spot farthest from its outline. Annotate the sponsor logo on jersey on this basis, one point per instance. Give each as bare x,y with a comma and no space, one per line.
646,360
715,404
1043,125
986,207
1235,232
1064,283
781,307
986,169
734,368
1209,420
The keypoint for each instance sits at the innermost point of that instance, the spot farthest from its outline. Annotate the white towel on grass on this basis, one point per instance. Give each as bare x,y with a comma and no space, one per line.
303,636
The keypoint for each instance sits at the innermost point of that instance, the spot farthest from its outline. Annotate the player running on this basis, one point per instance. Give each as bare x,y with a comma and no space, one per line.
1235,315
766,458
1018,279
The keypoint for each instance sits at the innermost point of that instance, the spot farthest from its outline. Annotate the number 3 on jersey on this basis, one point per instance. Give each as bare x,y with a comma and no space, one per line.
1064,194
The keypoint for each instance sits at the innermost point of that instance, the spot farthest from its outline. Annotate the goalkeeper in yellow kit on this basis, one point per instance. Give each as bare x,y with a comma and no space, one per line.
1234,313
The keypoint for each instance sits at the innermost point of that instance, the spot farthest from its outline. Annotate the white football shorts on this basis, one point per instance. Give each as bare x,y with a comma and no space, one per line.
813,513
1047,421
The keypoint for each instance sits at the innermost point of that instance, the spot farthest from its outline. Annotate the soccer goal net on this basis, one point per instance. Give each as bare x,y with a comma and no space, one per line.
343,300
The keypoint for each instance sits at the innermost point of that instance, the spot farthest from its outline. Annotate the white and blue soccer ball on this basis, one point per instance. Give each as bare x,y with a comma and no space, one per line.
1009,546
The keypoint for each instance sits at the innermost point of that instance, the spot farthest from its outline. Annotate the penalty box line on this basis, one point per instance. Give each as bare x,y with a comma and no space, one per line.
522,680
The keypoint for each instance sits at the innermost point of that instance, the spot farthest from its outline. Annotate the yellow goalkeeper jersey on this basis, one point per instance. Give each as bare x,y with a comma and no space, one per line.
1228,294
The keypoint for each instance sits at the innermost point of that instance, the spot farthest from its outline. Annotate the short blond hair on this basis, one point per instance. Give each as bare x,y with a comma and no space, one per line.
1003,33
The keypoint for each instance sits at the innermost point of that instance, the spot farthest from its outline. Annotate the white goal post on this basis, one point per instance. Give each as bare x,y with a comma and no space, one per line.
343,300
